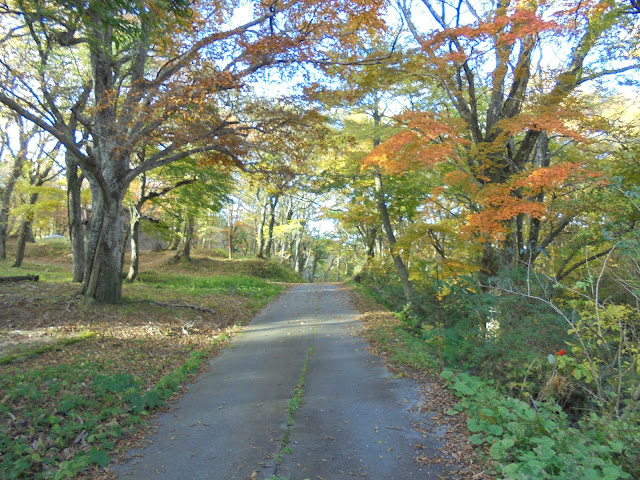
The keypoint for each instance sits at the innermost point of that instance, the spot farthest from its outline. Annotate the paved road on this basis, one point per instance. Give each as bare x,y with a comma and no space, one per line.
355,421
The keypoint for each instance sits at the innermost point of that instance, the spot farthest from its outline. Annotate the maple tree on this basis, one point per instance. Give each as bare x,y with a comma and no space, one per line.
497,138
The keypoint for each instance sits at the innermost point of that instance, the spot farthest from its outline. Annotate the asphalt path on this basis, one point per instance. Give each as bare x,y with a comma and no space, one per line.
356,420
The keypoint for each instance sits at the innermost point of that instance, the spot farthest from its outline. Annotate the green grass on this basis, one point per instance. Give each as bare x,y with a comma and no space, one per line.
249,287
46,272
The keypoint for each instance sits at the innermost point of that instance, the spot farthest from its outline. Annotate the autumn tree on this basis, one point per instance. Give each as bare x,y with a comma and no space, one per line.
369,93
152,67
506,112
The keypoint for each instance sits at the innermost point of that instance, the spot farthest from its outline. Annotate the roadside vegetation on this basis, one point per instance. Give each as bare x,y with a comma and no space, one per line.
78,380
549,387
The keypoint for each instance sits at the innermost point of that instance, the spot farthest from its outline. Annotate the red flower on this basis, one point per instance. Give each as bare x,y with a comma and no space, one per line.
562,352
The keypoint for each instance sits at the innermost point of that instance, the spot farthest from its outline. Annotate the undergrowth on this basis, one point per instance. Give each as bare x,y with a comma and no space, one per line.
522,438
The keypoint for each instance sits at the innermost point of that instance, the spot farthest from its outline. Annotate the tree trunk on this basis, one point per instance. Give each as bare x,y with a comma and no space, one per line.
74,210
103,266
273,203
134,228
326,273
542,159
25,229
31,238
16,171
296,252
184,247
312,278
261,230
230,230
401,268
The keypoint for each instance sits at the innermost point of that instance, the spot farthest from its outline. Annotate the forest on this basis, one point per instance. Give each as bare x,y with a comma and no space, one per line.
473,165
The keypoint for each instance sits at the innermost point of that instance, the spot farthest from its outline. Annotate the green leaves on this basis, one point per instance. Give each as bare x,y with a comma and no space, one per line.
529,444
99,457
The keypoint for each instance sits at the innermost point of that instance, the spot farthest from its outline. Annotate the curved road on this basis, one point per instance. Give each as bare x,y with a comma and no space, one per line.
355,420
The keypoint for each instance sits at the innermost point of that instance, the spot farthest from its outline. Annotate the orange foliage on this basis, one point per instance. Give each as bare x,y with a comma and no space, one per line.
548,119
506,29
427,140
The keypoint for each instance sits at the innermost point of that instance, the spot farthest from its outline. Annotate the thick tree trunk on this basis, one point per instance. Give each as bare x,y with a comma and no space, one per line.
74,210
103,267
184,247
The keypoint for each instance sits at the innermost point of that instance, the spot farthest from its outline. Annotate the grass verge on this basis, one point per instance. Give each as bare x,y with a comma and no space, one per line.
64,418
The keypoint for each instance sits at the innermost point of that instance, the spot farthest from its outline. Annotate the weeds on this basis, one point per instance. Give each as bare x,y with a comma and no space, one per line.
63,418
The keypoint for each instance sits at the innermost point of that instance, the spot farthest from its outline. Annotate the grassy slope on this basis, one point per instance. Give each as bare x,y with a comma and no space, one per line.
77,380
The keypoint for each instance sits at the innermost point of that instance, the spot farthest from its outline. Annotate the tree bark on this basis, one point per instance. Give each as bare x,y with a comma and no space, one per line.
134,227
16,171
21,278
314,267
260,234
230,230
273,203
74,211
184,247
103,267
